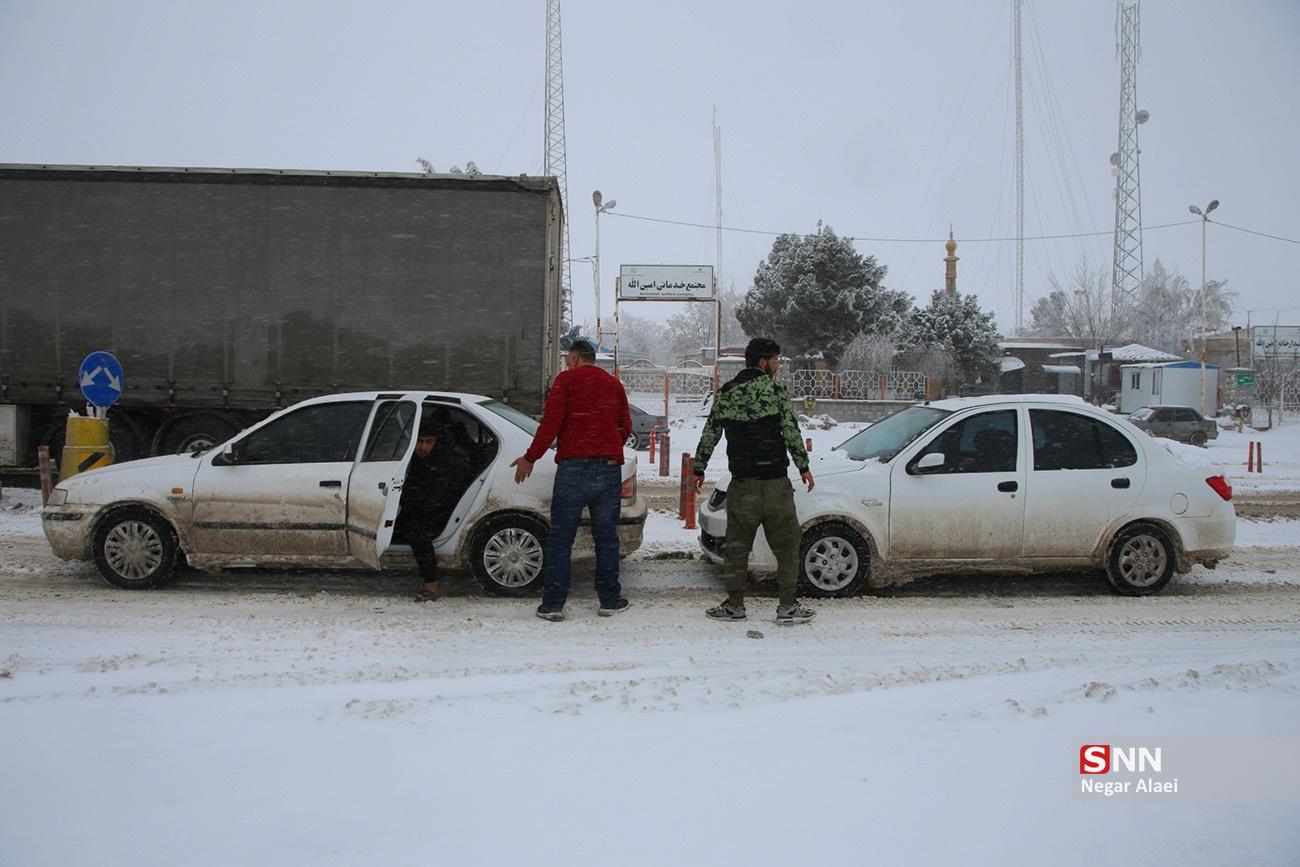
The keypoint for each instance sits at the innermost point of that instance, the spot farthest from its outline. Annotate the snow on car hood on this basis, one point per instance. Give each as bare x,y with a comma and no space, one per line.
106,481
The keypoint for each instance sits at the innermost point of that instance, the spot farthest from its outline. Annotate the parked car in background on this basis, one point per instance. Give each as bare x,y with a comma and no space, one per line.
319,485
1020,483
1176,423
642,423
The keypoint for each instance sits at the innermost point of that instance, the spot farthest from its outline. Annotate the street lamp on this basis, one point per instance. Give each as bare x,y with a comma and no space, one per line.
601,207
1205,218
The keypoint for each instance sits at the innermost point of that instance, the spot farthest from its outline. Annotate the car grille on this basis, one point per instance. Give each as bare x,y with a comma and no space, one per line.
717,500
715,545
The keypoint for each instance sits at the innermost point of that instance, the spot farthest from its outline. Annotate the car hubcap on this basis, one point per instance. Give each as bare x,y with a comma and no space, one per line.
831,563
1142,560
133,549
513,557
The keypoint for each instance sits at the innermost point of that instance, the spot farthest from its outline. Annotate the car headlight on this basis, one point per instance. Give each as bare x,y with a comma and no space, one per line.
58,497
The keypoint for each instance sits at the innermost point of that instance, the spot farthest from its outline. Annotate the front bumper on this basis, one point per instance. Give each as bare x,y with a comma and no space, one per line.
67,529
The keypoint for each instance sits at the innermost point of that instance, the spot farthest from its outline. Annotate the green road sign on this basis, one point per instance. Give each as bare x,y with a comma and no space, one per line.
1246,380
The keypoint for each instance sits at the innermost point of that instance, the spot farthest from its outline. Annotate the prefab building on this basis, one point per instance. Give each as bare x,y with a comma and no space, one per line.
1169,383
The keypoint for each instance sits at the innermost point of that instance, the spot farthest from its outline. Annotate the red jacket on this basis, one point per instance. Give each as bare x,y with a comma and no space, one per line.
587,409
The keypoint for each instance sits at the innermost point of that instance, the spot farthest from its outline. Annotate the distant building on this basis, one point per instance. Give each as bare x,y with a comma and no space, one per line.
1170,383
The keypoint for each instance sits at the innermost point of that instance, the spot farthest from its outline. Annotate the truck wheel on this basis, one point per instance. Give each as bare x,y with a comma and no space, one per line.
834,560
1141,560
509,555
1197,438
136,549
200,430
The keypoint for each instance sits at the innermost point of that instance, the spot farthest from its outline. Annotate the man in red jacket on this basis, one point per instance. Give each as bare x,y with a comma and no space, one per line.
587,410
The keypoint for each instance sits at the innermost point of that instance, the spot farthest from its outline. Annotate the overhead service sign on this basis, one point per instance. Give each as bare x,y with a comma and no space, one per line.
665,283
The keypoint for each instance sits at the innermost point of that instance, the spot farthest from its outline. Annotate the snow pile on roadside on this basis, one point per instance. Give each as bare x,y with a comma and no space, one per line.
1228,454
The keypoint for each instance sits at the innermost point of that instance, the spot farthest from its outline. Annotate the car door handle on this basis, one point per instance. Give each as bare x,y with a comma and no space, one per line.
1008,487
1119,483
331,483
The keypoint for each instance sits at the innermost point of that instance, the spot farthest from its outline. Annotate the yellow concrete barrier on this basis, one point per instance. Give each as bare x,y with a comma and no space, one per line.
86,446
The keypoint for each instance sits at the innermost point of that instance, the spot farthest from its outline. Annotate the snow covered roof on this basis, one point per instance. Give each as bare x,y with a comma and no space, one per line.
1194,365
1006,344
1009,363
1138,352
1061,368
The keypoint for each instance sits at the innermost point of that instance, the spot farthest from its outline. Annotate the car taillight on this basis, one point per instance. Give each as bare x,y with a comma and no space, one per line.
628,491
1221,486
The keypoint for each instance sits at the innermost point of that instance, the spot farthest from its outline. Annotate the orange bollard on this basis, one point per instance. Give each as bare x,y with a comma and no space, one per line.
685,483
1250,457
807,444
664,448
1259,457
653,431
43,461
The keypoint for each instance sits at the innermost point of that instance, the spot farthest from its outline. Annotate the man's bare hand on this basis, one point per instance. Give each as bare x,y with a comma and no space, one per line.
807,479
523,469
697,481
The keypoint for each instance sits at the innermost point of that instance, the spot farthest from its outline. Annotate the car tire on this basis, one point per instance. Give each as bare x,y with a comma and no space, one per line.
135,549
203,429
634,441
1141,560
508,555
834,560
1197,438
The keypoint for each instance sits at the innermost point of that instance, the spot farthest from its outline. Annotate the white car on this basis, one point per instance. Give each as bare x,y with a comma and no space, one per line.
1023,483
319,485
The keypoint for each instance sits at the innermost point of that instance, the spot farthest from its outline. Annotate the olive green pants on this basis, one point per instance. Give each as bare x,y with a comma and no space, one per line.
766,503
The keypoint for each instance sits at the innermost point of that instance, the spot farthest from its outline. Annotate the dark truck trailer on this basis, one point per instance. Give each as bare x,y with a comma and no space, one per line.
229,293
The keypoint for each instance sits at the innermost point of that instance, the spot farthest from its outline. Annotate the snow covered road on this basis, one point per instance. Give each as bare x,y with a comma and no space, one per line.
261,718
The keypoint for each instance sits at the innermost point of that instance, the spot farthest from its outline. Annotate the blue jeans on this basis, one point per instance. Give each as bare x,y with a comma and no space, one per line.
592,483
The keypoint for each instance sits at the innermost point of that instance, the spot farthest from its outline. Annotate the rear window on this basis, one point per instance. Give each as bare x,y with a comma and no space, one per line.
1070,441
1142,414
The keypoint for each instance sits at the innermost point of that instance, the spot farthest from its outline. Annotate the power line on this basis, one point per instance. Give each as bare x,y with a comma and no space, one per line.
626,216
1253,232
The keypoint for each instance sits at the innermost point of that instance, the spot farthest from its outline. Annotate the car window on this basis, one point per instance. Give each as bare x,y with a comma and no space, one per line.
1142,414
891,434
525,423
983,443
1070,441
321,433
1188,415
391,432
1163,415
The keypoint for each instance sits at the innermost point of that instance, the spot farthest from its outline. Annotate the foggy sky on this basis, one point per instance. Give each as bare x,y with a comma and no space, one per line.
883,120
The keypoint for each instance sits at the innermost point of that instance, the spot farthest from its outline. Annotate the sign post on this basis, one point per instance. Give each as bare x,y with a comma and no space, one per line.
670,283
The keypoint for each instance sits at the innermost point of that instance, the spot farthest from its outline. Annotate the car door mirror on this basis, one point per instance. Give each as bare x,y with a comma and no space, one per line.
229,455
929,463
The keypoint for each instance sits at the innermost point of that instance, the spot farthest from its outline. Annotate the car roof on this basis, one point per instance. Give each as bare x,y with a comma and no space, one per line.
461,397
957,403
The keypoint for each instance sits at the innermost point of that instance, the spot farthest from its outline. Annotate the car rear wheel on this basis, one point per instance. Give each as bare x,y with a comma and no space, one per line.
509,555
1141,560
136,549
834,560
1197,438
634,441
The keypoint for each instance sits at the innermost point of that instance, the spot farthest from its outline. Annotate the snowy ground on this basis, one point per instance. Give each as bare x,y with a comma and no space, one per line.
264,718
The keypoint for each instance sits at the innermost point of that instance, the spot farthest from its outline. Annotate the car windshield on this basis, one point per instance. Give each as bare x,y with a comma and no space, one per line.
1142,414
524,422
890,435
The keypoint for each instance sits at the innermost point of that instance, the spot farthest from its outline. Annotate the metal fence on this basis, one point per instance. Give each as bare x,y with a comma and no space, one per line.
856,384
677,392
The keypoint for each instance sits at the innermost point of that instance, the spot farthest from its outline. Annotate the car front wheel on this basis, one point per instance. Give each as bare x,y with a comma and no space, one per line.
136,549
509,555
1141,560
834,560
1197,438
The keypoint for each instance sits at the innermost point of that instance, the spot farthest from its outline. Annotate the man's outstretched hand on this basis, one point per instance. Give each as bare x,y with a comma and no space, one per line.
523,469
807,479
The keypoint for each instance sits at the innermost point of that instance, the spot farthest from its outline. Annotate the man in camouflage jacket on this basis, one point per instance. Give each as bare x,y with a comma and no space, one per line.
755,413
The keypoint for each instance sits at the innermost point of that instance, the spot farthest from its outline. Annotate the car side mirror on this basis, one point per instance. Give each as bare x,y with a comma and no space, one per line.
929,463
229,455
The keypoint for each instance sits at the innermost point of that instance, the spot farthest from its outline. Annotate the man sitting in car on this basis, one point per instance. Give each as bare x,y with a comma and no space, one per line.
435,479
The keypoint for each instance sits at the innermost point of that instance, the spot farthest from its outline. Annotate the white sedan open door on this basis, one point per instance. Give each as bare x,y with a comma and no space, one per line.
375,486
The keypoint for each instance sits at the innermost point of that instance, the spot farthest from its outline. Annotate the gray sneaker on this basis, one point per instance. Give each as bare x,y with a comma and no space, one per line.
555,615
726,611
796,613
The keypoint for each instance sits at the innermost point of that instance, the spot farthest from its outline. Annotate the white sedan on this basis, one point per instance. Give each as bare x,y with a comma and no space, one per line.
1024,483
319,485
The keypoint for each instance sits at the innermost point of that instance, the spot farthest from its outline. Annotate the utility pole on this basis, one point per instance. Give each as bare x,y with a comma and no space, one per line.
1020,171
717,221
1126,269
554,161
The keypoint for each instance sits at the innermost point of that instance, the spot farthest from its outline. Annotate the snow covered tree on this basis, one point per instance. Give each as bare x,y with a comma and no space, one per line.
1086,309
1166,309
870,352
815,293
686,333
957,326
639,337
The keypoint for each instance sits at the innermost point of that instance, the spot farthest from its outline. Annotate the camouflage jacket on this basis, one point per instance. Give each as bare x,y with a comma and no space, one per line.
755,413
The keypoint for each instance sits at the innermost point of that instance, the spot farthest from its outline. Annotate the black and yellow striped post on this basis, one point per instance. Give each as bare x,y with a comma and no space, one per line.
86,446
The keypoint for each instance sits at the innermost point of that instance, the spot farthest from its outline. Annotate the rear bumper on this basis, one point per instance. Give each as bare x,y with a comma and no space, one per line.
1208,539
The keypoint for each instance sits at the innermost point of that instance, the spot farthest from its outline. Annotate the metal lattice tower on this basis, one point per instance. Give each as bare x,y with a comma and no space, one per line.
554,161
1126,273
1020,172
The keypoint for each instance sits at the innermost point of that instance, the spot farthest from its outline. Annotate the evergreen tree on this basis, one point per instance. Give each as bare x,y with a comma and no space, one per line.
816,293
957,326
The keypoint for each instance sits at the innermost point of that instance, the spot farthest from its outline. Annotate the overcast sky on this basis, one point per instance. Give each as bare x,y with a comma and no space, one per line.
883,120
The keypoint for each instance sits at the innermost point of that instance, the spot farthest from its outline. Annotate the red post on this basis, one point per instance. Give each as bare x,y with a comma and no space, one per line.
688,492
685,483
664,449
1259,457
1250,457
43,461
882,386
653,433
835,386
807,444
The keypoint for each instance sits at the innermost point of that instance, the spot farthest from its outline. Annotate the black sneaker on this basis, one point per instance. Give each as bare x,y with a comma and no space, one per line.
796,613
613,608
555,615
726,611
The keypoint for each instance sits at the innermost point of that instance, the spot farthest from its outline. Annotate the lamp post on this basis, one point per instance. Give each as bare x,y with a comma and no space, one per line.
1205,218
1236,342
601,207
